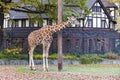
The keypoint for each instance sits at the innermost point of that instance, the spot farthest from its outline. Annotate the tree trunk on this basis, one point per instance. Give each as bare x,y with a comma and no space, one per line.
59,36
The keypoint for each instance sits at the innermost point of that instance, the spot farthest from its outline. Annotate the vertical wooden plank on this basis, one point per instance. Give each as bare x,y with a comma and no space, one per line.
60,36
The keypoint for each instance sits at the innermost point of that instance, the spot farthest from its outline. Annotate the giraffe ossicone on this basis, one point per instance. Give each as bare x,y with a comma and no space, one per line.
44,36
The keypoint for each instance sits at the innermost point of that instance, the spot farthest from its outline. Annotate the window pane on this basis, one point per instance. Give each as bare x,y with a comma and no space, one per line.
31,24
23,23
16,23
90,23
96,9
103,24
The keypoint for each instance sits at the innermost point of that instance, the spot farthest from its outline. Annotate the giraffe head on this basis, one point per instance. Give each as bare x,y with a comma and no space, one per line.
72,20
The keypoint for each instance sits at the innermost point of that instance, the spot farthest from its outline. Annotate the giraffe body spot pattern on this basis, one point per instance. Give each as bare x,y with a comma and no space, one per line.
44,36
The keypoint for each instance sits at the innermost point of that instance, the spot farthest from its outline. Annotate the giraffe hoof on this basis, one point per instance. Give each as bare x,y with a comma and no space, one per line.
45,70
32,68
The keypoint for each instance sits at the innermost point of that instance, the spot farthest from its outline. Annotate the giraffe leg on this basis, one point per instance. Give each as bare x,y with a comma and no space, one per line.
31,62
44,62
45,65
44,58
47,53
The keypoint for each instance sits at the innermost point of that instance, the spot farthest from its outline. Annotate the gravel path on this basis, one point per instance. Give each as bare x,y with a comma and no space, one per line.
10,73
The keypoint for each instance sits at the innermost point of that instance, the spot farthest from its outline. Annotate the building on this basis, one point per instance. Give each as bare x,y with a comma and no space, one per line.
96,32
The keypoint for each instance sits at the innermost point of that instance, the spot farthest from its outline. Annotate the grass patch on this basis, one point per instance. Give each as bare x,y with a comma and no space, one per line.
76,69
94,69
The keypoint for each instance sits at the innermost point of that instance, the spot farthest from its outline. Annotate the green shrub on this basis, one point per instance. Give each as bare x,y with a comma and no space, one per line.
15,56
53,56
38,56
22,56
85,60
69,57
6,56
95,58
90,58
111,55
13,50
1,55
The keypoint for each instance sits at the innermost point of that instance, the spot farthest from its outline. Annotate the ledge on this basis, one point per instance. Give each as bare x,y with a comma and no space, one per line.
38,62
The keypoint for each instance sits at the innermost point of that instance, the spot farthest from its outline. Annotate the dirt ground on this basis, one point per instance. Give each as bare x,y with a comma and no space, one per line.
10,73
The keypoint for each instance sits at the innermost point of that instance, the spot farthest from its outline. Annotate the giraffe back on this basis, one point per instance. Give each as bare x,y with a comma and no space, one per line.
39,36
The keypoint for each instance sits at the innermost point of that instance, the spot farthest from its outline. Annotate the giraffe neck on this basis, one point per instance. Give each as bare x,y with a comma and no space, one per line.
60,26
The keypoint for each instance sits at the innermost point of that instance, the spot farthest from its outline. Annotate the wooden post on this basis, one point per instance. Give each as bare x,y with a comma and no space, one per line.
60,36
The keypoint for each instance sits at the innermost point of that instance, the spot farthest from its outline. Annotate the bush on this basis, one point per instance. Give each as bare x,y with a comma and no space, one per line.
6,56
38,56
111,55
96,58
13,50
90,58
53,56
69,57
85,60
1,55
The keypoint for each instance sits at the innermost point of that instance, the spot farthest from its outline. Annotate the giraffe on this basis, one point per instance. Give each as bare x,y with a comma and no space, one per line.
44,36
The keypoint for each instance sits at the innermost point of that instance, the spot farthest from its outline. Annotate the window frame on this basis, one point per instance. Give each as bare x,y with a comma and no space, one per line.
90,22
23,23
96,9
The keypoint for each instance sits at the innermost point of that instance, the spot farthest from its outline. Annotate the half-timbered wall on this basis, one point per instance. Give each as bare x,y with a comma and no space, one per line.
98,18
112,12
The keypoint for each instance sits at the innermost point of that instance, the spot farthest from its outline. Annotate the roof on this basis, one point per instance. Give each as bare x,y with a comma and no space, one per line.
18,15
106,3
21,15
89,4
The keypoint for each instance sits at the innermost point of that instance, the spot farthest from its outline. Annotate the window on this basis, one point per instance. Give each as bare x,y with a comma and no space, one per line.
90,23
40,24
13,24
117,42
31,24
16,23
49,22
90,45
102,23
68,45
77,43
100,44
96,9
9,24
23,23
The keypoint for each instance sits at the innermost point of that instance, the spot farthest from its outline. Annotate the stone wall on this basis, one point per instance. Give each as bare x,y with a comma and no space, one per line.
39,62
75,40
